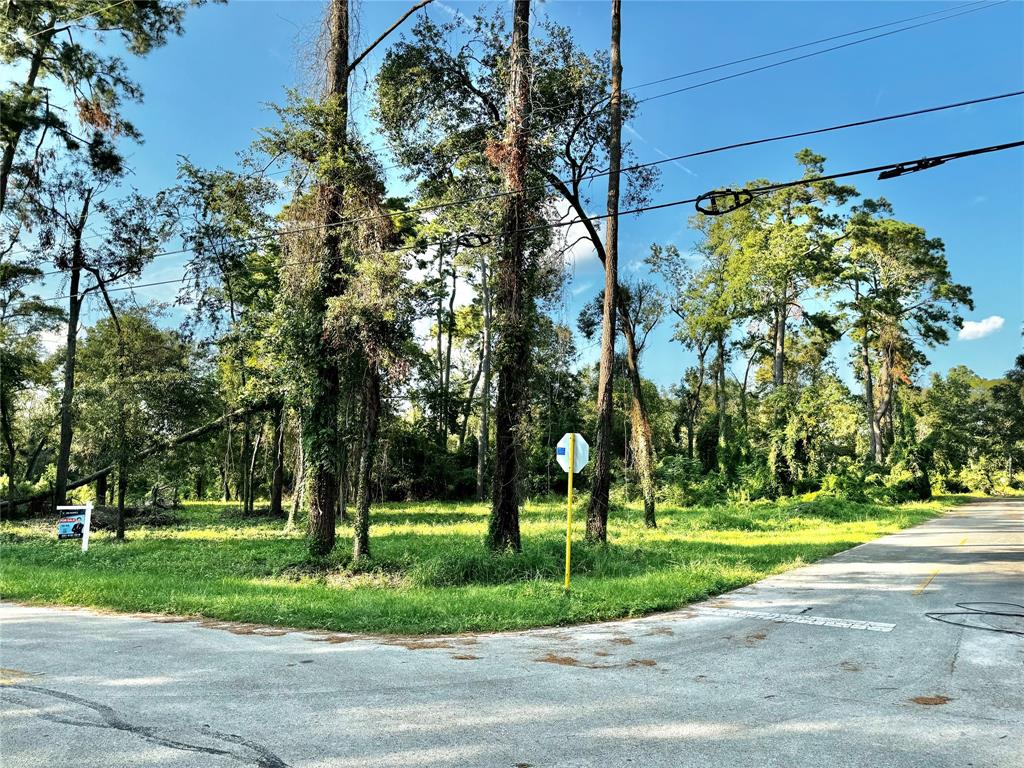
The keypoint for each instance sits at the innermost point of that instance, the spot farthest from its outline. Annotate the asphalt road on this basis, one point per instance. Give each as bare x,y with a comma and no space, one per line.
719,684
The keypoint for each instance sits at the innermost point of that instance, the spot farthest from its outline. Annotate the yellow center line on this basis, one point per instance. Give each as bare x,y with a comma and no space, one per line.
924,585
926,582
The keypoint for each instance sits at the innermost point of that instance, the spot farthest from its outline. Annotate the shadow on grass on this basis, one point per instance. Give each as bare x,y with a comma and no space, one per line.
436,574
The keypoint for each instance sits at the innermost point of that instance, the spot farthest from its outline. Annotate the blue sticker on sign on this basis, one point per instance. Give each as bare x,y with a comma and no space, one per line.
561,451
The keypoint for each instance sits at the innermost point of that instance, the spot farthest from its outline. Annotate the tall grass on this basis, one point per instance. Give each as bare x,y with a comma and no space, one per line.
430,571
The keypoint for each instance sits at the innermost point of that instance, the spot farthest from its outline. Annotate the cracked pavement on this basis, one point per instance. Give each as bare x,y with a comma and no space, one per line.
882,685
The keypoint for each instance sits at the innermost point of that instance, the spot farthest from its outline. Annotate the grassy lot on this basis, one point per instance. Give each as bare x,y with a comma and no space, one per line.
431,572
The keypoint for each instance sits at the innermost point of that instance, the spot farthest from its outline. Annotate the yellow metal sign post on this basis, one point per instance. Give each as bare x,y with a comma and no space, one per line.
568,515
572,455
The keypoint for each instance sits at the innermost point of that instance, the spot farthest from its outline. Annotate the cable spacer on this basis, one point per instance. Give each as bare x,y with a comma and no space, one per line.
722,201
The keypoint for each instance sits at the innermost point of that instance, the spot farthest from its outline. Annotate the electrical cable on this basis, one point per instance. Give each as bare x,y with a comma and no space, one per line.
758,69
979,614
919,164
627,169
801,45
812,54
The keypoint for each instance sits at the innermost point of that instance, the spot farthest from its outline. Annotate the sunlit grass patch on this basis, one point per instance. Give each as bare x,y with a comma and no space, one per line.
430,571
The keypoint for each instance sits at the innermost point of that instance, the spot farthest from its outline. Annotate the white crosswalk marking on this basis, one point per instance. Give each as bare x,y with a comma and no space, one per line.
795,618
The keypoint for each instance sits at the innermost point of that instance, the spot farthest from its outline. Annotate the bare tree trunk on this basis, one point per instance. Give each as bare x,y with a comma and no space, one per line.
250,501
277,476
468,407
643,441
245,476
101,489
122,490
5,423
439,320
33,457
723,424
881,411
68,395
483,443
447,389
597,511
371,423
779,351
874,437
511,297
225,469
300,481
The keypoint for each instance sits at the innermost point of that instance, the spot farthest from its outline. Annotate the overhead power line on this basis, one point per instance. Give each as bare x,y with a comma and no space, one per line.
970,6
777,51
814,53
543,188
886,170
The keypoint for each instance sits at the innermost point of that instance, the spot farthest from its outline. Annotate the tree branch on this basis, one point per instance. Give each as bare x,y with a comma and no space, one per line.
366,51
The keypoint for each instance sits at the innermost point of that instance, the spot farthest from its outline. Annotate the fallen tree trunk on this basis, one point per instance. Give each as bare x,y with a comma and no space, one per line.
157,447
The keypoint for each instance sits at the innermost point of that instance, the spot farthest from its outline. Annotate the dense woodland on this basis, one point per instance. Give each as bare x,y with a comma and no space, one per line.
333,345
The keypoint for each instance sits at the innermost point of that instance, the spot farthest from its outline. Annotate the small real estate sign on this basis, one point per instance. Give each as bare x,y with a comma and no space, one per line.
74,523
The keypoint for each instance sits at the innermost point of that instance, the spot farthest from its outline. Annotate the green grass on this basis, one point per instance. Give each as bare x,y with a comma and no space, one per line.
430,572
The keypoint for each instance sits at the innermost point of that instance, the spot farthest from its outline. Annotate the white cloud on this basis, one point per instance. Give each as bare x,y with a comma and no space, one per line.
572,239
977,330
453,12
51,341
577,290
631,130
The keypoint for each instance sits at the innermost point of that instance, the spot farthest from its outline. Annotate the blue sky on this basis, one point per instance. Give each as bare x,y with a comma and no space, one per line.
206,94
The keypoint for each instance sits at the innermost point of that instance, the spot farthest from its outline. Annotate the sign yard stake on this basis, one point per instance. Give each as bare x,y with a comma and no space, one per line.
572,454
88,526
568,516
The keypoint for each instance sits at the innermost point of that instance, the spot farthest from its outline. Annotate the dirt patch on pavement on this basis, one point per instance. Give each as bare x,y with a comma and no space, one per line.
620,640
572,661
660,632
931,701
238,628
333,638
849,666
565,661
753,639
419,645
464,656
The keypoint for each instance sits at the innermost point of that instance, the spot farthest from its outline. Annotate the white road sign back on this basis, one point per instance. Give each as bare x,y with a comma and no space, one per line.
581,452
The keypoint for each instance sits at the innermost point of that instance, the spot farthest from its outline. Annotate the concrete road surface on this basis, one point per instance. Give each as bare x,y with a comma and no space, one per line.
835,664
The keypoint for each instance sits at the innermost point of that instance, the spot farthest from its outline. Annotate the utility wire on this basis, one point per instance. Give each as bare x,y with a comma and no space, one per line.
813,53
922,163
599,174
968,6
801,45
